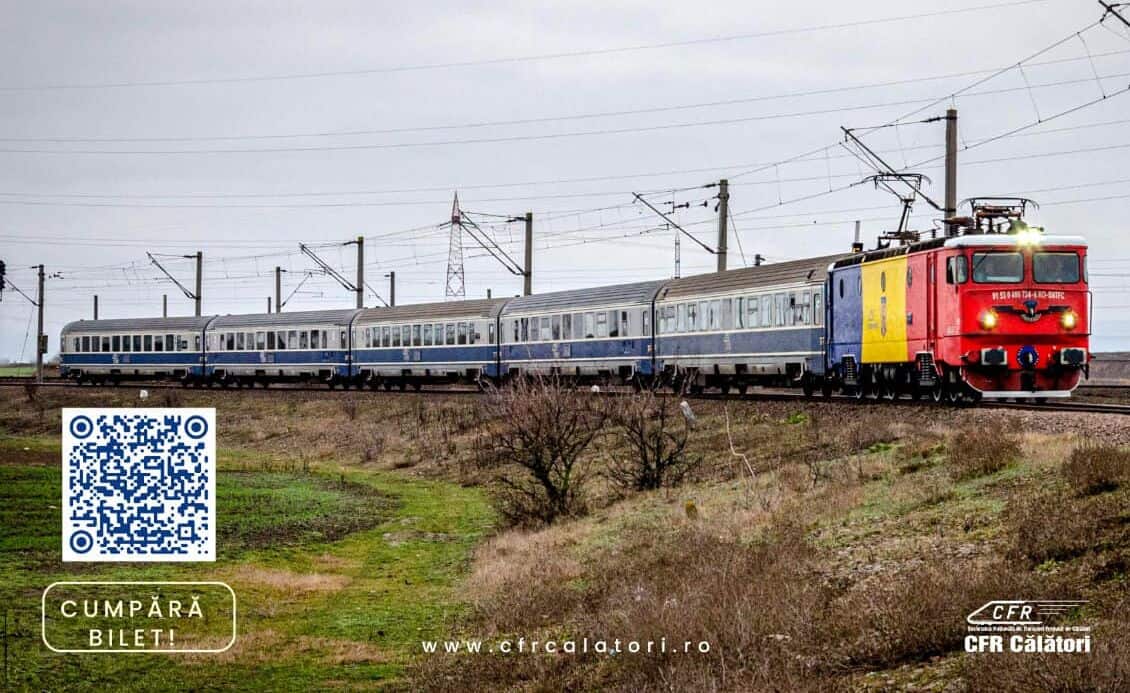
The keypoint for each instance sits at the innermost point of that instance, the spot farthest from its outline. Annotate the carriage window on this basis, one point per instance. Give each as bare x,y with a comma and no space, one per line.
158,344
239,343
406,335
681,318
427,334
490,331
260,340
779,309
462,333
147,342
196,341
169,342
841,287
624,324
521,333
957,270
613,324
543,330
449,333
476,332
325,339
105,343
137,342
271,341
601,324
1055,268
127,342
817,309
86,343
396,336
766,310
590,325
416,338
555,327
752,317
292,339
645,322
692,317
998,268
567,326
94,344
116,342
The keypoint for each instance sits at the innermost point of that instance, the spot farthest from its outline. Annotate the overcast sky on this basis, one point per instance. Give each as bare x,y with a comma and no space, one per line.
135,120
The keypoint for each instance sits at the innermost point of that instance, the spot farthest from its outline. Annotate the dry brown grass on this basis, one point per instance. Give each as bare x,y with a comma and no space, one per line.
981,451
1094,468
286,582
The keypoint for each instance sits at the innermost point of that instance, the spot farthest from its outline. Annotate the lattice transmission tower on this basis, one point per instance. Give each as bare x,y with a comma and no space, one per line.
456,289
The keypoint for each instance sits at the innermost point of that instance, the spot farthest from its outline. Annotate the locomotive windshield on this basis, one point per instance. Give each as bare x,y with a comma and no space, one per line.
1055,268
998,268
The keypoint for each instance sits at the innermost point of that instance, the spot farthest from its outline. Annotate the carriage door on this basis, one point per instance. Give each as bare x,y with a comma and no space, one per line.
931,301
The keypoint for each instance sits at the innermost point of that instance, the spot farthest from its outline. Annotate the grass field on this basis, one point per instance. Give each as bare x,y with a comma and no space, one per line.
338,575
16,371
354,527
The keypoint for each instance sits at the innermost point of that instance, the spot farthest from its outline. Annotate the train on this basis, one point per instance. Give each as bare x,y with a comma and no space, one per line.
999,310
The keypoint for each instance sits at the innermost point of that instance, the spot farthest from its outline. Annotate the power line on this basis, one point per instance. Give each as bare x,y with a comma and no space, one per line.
525,58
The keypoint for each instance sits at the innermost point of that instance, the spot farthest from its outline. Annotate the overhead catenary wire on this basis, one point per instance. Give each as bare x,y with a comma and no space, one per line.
519,59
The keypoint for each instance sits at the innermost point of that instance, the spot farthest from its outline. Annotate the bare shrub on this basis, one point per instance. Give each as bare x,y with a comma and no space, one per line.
1055,525
349,407
980,452
171,398
540,429
655,432
1094,468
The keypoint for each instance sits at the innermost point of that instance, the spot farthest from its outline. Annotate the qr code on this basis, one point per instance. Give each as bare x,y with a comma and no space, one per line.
139,484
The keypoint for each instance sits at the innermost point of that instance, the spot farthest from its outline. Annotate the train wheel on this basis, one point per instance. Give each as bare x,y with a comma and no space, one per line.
743,388
417,385
807,384
1041,400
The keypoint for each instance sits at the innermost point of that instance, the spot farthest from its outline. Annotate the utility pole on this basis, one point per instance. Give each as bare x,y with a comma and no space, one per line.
164,305
269,311
391,289
40,338
278,289
723,217
360,271
199,278
95,306
951,169
528,274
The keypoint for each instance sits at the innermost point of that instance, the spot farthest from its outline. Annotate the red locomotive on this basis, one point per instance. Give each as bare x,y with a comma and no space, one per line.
999,310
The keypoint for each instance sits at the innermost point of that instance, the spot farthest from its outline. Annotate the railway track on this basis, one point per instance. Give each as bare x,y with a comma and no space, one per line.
1075,406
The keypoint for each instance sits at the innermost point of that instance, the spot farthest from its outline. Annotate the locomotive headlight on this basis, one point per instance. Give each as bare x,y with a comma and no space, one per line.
988,319
1068,320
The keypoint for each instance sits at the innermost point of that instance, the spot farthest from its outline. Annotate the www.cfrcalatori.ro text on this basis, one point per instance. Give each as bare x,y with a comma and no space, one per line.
616,646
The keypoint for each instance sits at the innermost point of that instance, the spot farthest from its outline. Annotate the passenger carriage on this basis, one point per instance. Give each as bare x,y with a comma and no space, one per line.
133,348
261,348
755,325
603,333
428,343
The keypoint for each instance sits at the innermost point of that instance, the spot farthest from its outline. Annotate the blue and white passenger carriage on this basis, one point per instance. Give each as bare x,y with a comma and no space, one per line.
129,349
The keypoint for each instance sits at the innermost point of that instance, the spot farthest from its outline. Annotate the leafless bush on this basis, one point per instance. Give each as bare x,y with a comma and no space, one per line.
1057,525
539,430
349,407
31,392
171,398
1094,468
981,451
655,433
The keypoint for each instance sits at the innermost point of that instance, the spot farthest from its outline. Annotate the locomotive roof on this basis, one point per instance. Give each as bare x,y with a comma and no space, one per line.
813,269
475,308
980,240
620,294
176,324
971,240
306,317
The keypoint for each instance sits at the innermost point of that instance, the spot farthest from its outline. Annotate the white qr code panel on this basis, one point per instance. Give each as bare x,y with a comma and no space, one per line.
139,484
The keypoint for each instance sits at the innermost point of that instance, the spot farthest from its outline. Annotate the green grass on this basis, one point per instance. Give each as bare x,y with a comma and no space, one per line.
383,551
16,371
